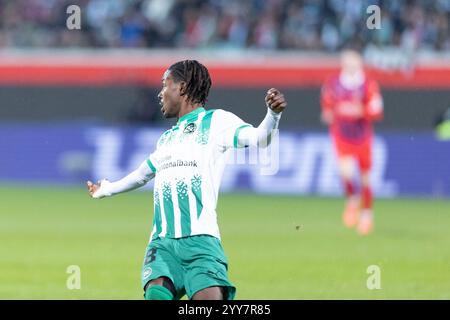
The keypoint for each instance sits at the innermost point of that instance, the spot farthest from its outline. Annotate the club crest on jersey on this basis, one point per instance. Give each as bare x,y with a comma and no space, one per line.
190,128
147,272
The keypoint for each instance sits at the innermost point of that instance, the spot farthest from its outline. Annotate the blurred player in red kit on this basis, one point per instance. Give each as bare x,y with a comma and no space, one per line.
351,101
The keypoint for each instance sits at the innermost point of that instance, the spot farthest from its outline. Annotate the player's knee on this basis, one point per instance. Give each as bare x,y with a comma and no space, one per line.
157,292
211,293
346,168
365,179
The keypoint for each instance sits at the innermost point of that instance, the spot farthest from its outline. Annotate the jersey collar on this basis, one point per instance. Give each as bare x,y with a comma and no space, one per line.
191,115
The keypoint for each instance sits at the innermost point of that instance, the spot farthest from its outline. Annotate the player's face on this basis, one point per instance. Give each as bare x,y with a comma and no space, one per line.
351,62
170,96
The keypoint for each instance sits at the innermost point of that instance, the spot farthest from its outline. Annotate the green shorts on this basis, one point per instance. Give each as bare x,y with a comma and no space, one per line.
192,263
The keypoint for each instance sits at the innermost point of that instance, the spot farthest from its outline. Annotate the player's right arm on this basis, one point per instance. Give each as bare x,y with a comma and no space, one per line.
136,179
327,103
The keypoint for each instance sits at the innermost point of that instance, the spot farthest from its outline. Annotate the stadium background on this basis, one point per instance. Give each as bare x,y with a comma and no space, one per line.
81,104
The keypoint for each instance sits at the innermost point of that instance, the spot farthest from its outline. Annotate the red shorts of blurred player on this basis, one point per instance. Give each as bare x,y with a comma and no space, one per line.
361,151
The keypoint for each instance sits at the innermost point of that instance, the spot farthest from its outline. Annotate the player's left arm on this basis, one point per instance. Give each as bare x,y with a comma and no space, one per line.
134,180
373,107
261,135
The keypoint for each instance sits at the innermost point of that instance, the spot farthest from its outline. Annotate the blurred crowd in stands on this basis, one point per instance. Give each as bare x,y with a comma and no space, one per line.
261,24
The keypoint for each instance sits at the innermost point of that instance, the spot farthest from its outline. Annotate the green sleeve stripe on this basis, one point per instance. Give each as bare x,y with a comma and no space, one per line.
205,126
236,134
150,164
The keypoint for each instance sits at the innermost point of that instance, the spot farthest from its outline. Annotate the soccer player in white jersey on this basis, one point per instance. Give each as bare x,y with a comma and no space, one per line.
185,255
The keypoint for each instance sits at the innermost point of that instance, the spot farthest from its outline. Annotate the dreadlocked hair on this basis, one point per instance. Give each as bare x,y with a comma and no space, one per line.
196,77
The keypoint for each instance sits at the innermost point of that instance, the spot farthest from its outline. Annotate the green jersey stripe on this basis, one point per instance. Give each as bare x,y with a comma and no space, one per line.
204,129
197,191
168,210
157,213
236,135
183,204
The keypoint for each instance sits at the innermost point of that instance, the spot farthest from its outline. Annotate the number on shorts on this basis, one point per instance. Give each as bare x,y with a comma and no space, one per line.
150,256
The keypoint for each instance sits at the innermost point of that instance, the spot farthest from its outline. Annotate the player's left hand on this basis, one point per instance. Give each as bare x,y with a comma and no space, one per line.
275,100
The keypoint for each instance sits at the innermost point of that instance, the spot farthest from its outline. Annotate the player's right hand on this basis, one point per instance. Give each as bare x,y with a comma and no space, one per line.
92,188
275,100
327,117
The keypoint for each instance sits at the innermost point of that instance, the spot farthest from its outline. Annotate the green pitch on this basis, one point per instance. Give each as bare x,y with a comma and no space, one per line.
278,247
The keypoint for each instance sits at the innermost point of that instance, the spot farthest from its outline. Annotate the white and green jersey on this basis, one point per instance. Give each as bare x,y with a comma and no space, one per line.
189,161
